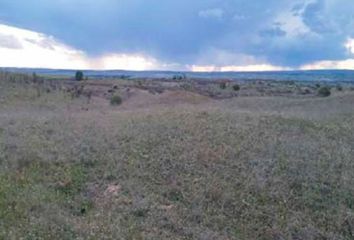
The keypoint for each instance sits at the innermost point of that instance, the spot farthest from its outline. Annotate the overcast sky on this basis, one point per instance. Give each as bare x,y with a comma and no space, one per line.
211,35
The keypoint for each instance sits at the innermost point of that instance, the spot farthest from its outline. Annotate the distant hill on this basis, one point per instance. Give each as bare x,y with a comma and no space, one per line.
313,75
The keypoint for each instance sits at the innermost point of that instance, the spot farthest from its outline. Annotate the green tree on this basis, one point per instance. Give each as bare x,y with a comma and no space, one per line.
79,75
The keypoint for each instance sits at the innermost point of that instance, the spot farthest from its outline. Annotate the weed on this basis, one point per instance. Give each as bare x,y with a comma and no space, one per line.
116,100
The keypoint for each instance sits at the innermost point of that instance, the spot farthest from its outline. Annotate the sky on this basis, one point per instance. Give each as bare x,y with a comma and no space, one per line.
181,35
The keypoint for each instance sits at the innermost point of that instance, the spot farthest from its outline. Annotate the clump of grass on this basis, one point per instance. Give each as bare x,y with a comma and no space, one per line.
187,86
174,195
339,88
236,87
324,91
116,100
140,213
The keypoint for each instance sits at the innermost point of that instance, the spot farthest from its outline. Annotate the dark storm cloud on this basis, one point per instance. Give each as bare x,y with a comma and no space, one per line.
182,31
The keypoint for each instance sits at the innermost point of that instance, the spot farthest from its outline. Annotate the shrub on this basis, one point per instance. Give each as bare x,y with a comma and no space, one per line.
306,91
140,83
339,88
236,87
324,91
34,77
187,86
79,76
179,77
223,85
116,100
124,76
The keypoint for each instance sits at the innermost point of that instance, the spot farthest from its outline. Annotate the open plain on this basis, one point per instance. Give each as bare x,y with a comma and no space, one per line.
174,160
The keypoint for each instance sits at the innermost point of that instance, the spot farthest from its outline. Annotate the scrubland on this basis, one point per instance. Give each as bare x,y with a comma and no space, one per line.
173,164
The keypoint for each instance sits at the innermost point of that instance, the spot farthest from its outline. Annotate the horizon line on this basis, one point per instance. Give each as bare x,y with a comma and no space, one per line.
177,71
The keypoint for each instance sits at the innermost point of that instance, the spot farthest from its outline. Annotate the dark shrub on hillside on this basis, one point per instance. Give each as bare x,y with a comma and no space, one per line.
116,100
223,85
236,87
324,91
179,77
124,76
79,76
339,88
34,77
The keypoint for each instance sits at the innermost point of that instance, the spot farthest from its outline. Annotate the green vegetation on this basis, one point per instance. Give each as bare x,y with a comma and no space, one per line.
223,85
179,77
116,100
79,76
236,87
324,91
242,168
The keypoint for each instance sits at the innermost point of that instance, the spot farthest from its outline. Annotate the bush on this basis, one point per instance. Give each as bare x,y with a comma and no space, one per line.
324,91
339,88
187,86
79,76
116,100
179,77
223,85
236,87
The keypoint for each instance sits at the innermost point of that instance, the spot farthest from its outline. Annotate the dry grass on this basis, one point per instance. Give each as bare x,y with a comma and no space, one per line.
244,168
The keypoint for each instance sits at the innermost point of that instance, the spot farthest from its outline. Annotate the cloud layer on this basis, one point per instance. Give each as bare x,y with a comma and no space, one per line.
183,34
24,48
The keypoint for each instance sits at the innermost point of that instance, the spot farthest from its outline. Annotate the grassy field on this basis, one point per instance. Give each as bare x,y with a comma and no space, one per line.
175,165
